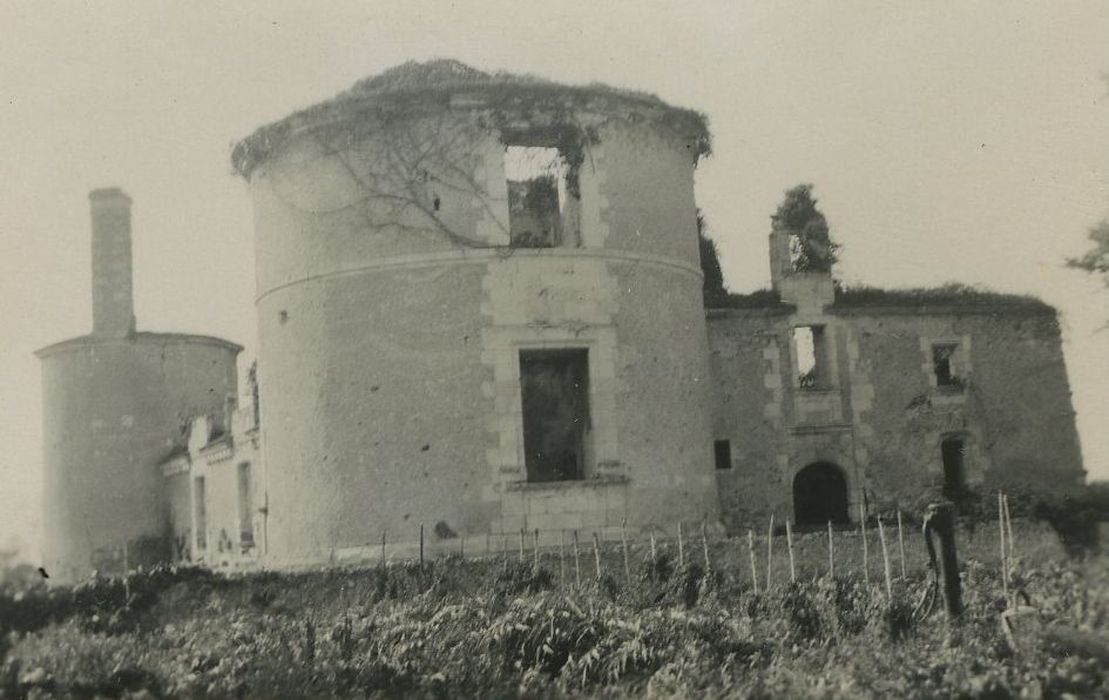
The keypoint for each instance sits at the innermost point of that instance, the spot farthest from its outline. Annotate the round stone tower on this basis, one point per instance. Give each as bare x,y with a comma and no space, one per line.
479,309
114,403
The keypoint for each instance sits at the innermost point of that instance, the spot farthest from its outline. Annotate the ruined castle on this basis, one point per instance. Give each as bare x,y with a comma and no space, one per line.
480,310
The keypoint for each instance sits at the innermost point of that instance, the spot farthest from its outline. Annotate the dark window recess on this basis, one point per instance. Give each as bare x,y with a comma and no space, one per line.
723,451
536,193
555,397
942,356
954,478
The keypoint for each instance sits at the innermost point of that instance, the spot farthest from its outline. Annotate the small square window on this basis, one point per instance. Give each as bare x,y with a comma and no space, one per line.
722,449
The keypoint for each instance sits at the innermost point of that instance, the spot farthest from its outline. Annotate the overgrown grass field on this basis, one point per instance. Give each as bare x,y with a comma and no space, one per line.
496,626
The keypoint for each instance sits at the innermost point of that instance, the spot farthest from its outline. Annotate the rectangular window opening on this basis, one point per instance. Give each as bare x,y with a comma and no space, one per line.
809,343
554,388
722,449
537,197
246,516
943,355
954,478
200,512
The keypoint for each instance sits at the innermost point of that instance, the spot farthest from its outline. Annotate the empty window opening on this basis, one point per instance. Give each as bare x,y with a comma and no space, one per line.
200,513
820,495
555,396
537,196
943,356
723,452
808,341
953,451
246,516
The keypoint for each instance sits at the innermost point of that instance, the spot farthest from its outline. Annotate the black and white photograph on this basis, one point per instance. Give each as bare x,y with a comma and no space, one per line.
513,349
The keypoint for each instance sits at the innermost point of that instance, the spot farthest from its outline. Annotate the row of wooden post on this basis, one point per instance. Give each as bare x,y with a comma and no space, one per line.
1003,517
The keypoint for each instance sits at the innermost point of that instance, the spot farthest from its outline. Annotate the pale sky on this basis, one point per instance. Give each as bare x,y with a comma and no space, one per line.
947,141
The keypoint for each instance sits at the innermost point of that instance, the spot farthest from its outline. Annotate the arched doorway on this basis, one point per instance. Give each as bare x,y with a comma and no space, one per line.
820,495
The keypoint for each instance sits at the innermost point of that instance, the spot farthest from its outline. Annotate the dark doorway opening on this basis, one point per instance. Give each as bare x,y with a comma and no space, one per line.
820,495
555,395
954,482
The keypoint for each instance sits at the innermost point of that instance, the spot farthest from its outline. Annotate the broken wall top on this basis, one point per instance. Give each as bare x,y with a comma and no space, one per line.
507,100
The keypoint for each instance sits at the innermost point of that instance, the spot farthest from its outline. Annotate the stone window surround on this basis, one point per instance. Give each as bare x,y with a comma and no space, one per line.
492,226
830,358
600,344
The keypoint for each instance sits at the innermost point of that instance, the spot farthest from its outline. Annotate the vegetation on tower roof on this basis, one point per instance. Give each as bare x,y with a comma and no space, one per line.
415,87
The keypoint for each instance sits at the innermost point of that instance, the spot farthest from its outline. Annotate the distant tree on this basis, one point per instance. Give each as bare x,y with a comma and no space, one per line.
1096,259
811,245
710,262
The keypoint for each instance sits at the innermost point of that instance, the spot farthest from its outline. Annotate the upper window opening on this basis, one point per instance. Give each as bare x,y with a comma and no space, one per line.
809,343
943,360
555,398
537,197
722,449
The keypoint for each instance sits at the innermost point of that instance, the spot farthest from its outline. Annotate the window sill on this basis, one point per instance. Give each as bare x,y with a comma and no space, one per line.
596,482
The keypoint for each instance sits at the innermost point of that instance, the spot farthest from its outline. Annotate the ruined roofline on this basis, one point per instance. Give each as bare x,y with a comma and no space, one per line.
946,299
450,85
960,297
140,337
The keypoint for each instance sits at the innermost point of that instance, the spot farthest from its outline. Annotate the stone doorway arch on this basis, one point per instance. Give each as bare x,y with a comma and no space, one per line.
820,495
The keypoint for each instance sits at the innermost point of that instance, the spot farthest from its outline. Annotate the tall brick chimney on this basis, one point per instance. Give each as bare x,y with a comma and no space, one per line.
113,311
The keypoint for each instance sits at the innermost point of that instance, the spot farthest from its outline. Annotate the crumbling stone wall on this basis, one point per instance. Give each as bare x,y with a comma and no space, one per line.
1013,411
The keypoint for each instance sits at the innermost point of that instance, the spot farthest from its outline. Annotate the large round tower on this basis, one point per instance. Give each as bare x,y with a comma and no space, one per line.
480,308
114,403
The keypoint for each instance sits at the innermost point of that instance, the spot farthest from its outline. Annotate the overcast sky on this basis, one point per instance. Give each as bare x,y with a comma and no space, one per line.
947,141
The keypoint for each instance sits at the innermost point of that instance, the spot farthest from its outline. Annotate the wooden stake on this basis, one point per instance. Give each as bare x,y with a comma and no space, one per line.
654,556
383,549
521,545
1001,535
462,547
901,545
624,544
866,550
705,544
577,561
562,559
769,551
597,555
789,546
421,546
535,548
126,570
885,559
754,566
681,546
1009,527
831,554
